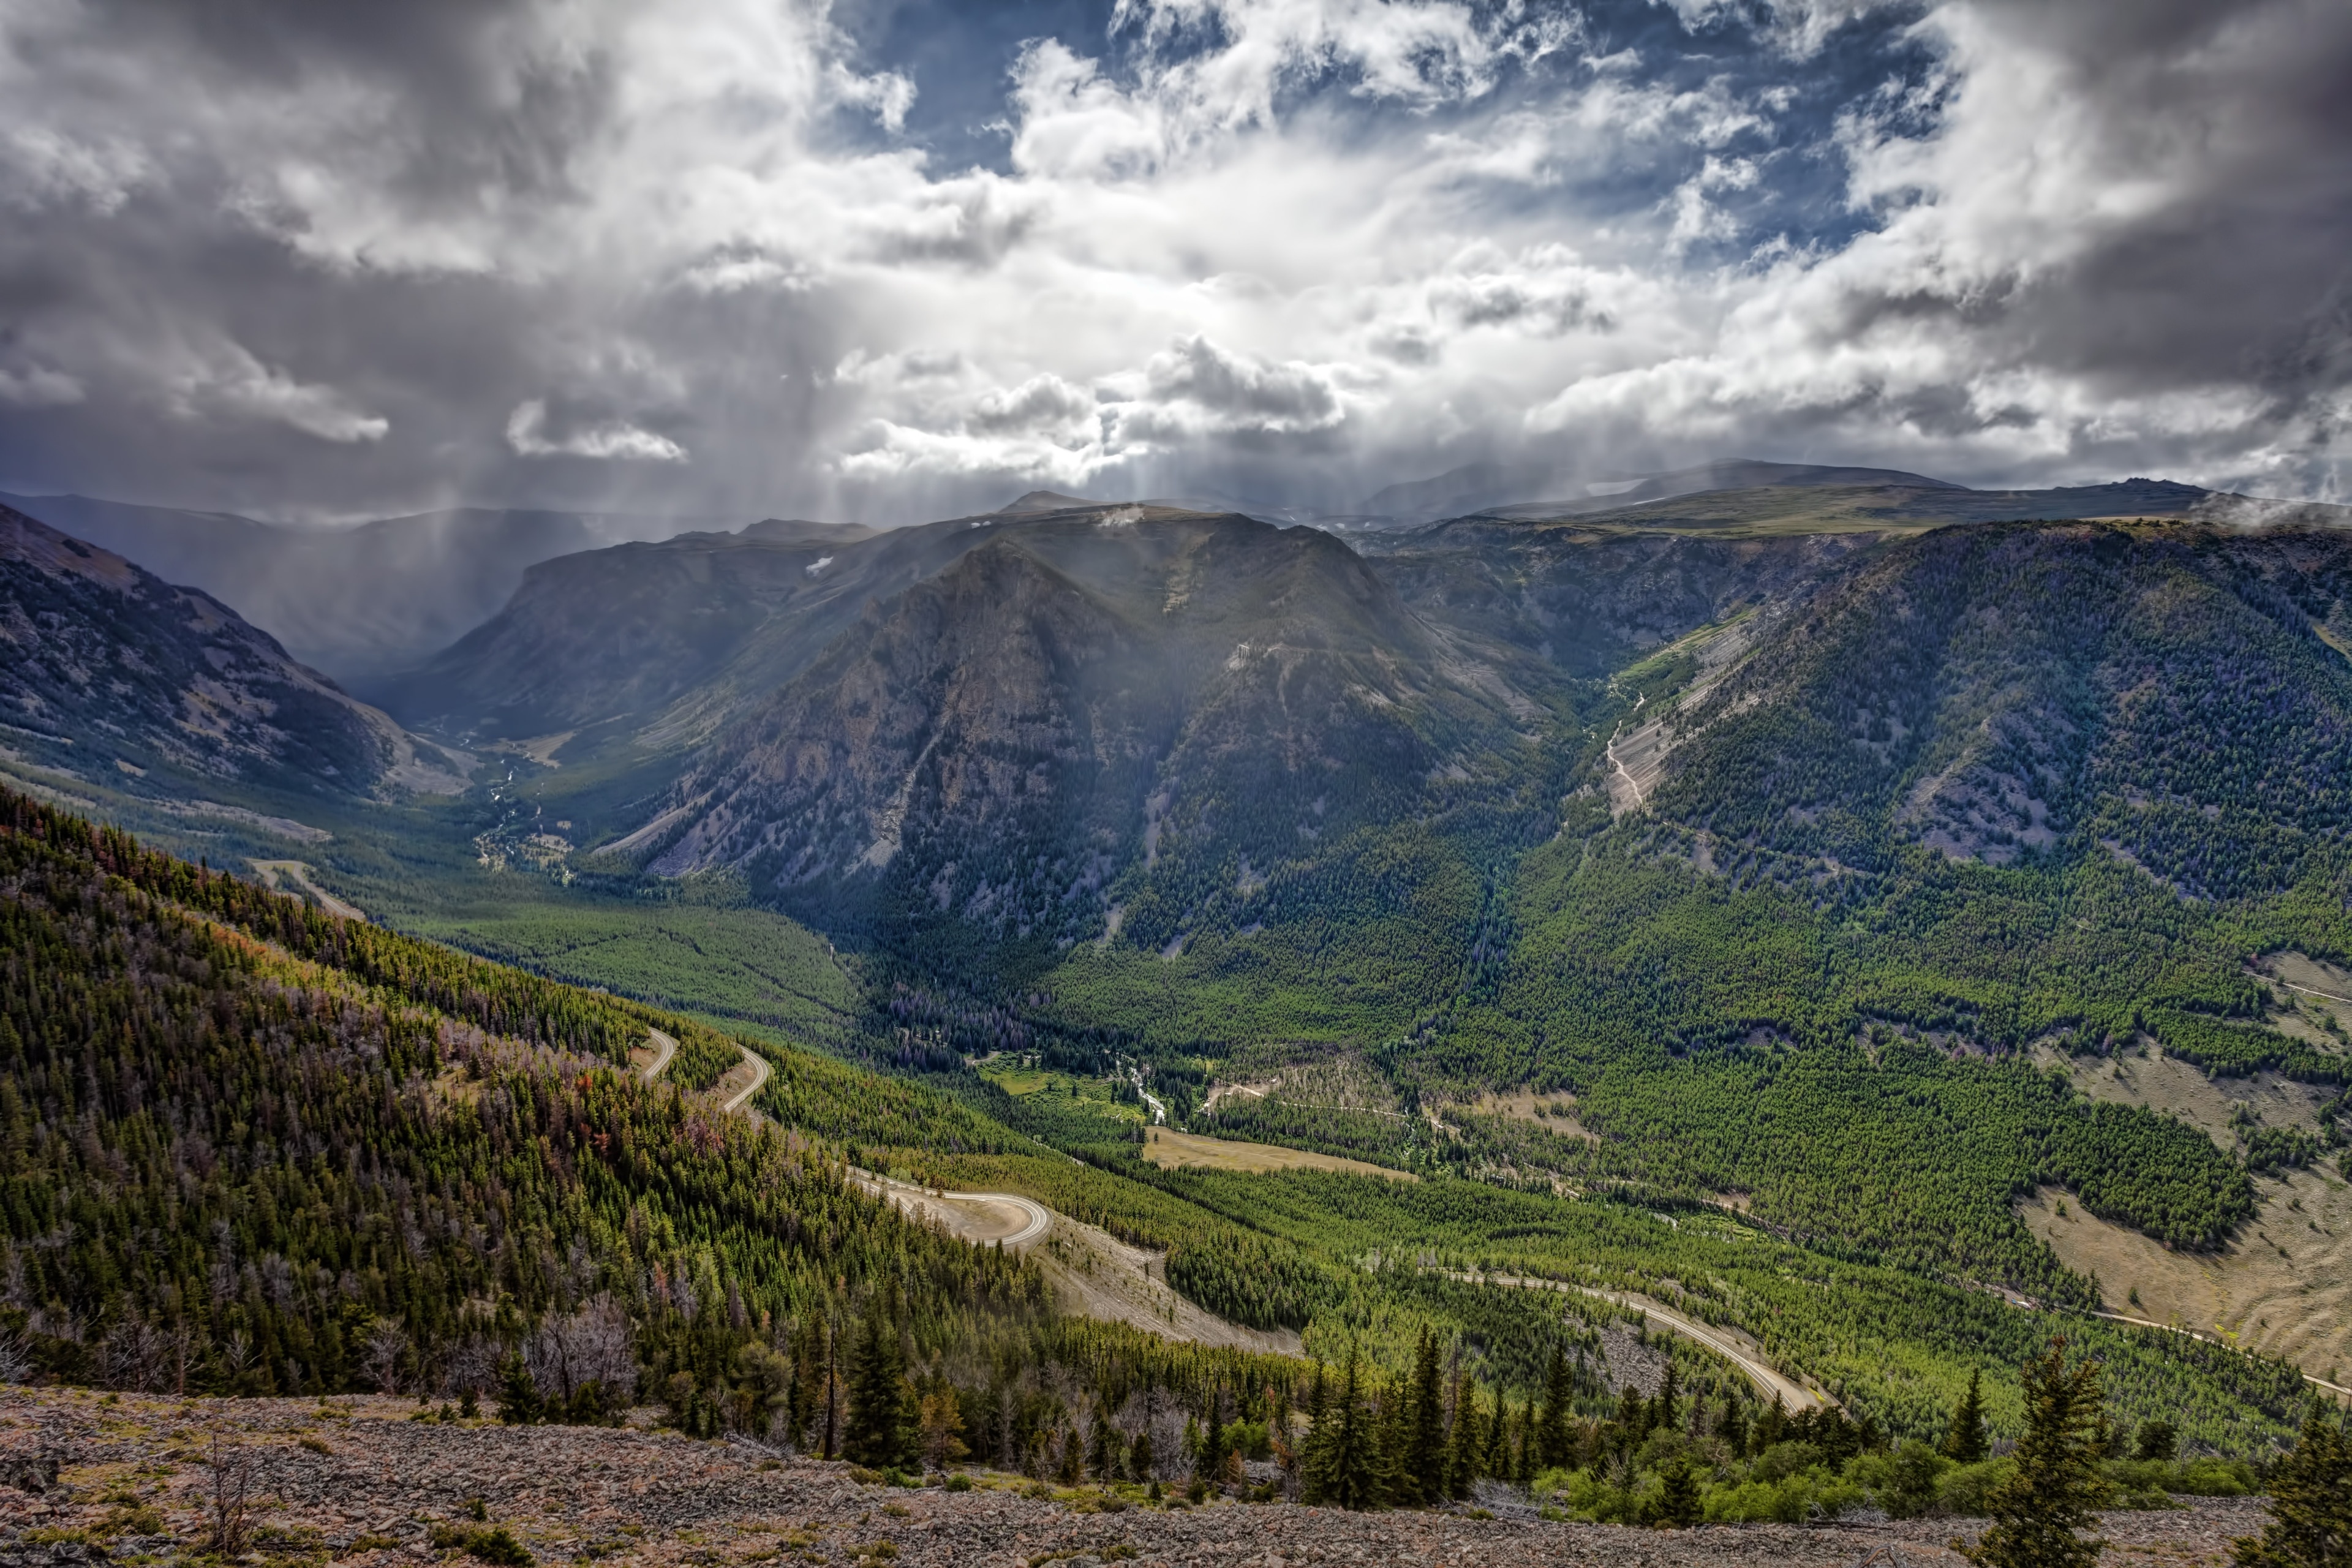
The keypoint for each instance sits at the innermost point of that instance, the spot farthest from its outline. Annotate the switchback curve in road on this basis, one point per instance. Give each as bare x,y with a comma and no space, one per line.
1030,1219
760,1070
959,1209
663,1049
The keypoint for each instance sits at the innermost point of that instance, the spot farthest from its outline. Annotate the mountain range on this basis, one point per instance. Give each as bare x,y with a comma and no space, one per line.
1834,856
356,602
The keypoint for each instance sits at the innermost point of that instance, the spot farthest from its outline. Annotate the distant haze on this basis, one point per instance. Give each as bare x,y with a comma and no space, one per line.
355,603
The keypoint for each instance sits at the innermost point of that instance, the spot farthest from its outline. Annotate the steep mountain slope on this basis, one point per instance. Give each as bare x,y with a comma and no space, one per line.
1984,793
355,602
309,1155
1988,691
609,634
112,673
1593,600
1193,699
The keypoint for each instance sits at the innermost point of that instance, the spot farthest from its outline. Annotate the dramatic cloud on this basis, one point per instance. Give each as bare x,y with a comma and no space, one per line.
885,256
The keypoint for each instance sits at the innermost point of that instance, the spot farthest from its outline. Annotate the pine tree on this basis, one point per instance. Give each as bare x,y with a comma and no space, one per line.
1496,1460
1965,1443
1389,1449
2038,1514
807,1368
880,1429
1342,1452
1768,1426
519,1403
2158,1440
1421,1472
1099,1457
1212,1439
1733,1427
1551,1433
1662,1410
2311,1504
1678,1504
1465,1445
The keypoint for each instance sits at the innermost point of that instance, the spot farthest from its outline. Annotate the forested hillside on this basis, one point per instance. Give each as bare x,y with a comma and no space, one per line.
252,1148
245,1146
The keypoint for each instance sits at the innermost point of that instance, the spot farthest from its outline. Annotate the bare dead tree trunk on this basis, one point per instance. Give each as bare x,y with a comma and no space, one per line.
832,1394
230,1466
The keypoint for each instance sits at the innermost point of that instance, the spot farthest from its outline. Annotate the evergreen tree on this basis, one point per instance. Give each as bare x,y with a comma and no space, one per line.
2039,1514
1342,1452
1768,1426
808,1367
1393,1406
1966,1441
1212,1438
1733,1427
2311,1504
881,1426
1551,1433
1421,1472
1496,1460
1678,1503
2158,1440
519,1401
1100,1457
1662,1411
1465,1445
1139,1457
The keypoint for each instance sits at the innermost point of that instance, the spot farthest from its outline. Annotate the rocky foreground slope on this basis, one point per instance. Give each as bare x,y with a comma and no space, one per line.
85,1477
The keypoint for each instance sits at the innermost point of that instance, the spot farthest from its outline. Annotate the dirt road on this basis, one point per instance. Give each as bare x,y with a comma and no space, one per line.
663,1048
294,872
1005,1217
760,1070
1767,1379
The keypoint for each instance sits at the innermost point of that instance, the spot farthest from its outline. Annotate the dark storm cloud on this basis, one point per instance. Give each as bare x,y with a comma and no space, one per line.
742,256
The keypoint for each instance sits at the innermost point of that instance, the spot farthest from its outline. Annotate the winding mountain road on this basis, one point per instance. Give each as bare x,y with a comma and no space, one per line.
1768,1380
663,1048
760,1070
1005,1217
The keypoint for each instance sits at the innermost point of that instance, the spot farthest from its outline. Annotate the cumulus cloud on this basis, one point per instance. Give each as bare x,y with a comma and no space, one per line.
528,434
220,378
778,258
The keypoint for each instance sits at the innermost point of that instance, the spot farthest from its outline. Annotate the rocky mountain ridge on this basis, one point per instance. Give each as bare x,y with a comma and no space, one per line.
113,674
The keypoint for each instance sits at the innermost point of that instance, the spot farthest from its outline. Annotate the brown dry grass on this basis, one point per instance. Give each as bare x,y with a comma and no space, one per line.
1521,1107
1167,1148
2283,1286
293,876
2146,1076
2315,999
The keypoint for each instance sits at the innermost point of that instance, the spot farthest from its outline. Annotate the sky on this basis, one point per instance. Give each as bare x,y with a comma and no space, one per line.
884,259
